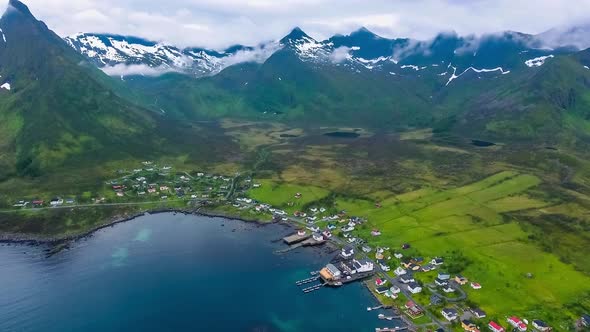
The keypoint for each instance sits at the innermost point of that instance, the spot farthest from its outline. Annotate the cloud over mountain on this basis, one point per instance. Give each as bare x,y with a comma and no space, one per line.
221,23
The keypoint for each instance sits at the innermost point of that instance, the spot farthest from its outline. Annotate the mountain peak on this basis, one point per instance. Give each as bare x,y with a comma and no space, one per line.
15,6
294,35
364,33
362,30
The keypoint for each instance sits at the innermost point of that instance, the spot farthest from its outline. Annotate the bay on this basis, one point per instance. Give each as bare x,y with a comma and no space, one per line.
174,272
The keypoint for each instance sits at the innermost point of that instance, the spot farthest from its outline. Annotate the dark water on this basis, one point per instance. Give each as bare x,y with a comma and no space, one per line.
175,273
342,134
483,144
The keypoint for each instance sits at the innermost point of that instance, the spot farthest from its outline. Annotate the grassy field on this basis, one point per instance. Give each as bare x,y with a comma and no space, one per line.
472,227
281,194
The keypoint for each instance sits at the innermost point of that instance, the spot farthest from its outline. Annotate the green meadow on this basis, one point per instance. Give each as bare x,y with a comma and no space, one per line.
282,194
471,226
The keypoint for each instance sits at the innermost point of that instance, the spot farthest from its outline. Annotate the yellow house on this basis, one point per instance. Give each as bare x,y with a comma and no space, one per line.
461,280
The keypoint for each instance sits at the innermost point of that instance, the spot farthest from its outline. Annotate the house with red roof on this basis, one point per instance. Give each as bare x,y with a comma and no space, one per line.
380,282
495,327
517,323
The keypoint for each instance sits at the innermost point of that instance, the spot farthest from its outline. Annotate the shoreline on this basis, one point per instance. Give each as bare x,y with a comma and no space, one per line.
35,240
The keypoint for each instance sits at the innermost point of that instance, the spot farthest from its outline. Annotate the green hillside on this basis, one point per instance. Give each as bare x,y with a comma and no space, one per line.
62,112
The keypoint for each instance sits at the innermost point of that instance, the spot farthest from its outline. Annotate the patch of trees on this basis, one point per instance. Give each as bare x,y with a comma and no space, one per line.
27,166
457,262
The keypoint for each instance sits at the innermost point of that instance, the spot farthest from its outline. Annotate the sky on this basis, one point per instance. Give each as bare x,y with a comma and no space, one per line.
221,23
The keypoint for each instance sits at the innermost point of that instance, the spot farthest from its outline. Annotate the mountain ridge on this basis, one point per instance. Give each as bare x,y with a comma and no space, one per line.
361,48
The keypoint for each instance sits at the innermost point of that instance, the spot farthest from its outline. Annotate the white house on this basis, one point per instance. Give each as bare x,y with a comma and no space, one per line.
347,252
56,202
334,271
407,278
318,237
437,261
363,265
414,288
399,271
448,289
450,314
541,325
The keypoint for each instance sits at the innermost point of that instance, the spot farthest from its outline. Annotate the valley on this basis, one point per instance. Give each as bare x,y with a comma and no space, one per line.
470,150
492,213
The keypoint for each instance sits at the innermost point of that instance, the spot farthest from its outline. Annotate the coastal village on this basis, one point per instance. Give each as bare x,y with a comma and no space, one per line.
149,182
415,293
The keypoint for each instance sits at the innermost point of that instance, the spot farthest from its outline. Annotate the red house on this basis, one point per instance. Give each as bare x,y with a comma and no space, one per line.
517,323
493,326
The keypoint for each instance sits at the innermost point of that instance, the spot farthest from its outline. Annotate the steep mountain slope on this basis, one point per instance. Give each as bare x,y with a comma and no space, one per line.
56,108
297,83
533,95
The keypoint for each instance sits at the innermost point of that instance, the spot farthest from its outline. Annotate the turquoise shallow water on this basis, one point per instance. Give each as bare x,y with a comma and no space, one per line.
171,272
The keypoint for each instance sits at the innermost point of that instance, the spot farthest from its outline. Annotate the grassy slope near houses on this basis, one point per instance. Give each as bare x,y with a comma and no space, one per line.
474,228
495,251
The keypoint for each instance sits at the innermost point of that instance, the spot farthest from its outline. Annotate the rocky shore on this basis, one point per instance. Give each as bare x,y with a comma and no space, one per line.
37,239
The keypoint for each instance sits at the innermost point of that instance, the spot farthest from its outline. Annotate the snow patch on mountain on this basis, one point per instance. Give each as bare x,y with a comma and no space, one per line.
5,86
307,47
3,35
484,70
414,67
119,55
538,62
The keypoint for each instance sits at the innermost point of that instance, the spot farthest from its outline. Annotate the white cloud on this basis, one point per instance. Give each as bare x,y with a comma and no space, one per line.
258,54
134,70
220,23
340,54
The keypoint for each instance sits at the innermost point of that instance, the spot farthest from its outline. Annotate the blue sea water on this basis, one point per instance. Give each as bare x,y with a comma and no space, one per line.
174,272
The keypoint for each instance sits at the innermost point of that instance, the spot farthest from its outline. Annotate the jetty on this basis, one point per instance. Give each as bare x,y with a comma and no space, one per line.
390,329
306,281
312,288
305,241
295,238
379,307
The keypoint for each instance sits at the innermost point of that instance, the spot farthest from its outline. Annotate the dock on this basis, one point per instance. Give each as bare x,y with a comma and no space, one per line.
312,288
353,278
390,329
307,281
295,238
379,307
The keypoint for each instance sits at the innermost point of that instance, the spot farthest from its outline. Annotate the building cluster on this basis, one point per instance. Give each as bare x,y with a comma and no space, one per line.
346,270
163,182
515,323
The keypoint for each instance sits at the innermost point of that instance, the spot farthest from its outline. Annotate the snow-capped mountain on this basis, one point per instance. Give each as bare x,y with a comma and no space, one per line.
444,57
110,51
